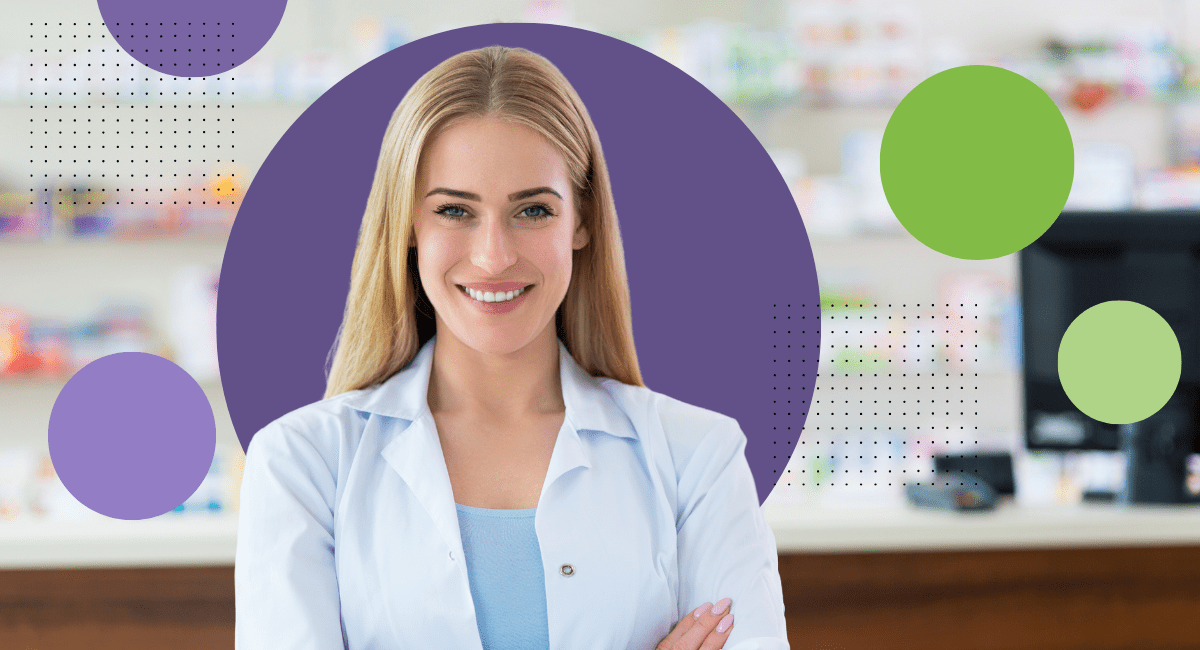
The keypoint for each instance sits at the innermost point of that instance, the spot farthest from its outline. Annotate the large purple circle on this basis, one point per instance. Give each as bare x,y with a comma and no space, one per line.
191,39
132,435
724,289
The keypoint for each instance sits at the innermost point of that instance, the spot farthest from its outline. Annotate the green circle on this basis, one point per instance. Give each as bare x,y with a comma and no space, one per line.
976,162
1119,362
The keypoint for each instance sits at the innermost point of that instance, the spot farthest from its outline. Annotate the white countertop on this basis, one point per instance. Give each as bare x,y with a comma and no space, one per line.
168,541
212,540
1007,527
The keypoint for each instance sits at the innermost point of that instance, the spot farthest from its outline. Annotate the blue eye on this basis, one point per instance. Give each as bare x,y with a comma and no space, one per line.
540,212
453,212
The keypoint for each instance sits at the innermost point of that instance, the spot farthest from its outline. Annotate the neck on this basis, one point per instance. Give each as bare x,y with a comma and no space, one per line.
520,384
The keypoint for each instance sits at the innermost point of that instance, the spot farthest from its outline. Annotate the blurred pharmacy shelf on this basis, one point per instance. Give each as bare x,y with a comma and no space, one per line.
815,81
26,403
84,298
251,132
1009,526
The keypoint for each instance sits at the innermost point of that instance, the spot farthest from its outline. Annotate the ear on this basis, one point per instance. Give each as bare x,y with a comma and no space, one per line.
581,238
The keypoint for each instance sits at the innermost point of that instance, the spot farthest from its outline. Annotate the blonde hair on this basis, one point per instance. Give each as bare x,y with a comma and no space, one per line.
388,316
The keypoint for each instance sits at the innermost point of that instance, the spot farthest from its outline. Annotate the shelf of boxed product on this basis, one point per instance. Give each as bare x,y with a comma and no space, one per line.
798,106
1010,525
819,52
833,53
40,352
741,90
85,212
40,348
921,312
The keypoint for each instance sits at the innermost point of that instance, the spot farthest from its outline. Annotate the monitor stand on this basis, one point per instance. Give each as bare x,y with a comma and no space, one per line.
1156,451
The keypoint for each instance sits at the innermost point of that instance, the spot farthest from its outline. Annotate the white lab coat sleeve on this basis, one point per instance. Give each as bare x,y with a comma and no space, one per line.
286,589
726,548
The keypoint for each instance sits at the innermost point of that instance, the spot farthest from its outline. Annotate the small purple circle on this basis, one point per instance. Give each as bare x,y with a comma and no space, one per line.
132,435
723,285
192,39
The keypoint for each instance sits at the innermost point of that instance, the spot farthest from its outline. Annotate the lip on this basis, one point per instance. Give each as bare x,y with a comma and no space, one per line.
497,307
496,286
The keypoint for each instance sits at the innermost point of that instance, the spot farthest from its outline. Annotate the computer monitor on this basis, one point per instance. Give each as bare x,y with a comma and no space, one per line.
1086,258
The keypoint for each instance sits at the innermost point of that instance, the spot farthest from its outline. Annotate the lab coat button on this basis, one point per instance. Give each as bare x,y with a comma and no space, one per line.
451,556
567,570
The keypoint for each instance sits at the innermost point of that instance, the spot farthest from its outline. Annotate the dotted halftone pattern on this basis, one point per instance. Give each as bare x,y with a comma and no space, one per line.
183,38
131,435
897,385
105,131
790,370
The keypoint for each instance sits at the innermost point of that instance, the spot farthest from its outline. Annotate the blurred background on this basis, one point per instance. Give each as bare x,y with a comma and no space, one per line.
1049,544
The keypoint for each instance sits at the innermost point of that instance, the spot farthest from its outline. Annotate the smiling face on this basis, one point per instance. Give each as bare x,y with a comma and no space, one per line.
495,217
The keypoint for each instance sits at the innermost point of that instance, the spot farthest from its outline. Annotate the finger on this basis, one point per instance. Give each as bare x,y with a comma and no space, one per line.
686,623
705,624
720,634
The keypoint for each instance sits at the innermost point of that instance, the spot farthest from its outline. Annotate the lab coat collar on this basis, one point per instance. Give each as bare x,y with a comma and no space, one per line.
588,406
414,450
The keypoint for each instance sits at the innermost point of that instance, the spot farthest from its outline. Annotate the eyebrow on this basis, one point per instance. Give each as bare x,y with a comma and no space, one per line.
515,196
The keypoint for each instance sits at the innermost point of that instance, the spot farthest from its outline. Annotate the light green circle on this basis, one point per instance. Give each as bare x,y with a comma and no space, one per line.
1119,362
976,162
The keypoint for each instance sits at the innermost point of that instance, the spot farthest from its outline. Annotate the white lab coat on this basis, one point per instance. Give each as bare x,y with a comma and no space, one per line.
348,534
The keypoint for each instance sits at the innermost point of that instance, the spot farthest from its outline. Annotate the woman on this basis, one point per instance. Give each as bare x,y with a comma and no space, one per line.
487,468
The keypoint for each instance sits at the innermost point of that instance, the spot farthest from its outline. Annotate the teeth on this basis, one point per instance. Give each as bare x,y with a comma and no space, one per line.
488,296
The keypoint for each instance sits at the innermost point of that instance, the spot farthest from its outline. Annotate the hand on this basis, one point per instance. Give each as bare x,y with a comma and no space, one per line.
701,629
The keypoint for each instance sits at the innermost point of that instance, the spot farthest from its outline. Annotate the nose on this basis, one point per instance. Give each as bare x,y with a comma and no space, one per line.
492,249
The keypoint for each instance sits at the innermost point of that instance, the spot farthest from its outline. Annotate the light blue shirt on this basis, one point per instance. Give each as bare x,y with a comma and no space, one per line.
504,565
348,535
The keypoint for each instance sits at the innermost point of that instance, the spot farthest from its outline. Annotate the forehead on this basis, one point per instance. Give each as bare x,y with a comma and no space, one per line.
479,154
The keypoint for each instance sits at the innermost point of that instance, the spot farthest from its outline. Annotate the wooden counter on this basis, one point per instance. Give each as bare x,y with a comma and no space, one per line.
1056,599
1091,578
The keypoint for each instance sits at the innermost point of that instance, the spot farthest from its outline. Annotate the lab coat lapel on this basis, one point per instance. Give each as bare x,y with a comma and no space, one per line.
588,408
416,455
568,454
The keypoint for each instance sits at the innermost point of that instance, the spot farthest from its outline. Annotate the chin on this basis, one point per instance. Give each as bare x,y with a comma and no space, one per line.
500,342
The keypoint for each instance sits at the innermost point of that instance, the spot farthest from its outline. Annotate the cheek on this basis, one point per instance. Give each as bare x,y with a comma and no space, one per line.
566,253
559,263
434,259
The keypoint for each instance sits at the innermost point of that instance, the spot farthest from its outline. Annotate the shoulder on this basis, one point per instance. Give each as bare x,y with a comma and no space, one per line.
321,429
680,428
